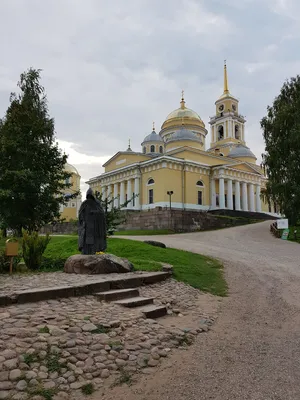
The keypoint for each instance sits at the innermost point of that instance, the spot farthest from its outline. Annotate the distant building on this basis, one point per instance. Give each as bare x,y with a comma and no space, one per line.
175,162
71,209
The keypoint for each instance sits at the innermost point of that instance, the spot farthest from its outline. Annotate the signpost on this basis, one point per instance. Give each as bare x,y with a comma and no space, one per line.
11,250
282,224
285,234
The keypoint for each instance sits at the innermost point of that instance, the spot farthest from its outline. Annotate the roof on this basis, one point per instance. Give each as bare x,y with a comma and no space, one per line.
183,134
153,137
70,168
241,151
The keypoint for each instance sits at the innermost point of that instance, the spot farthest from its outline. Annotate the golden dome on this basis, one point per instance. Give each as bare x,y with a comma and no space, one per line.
71,169
182,116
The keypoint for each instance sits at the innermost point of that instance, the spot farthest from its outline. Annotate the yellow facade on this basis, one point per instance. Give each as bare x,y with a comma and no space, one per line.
70,210
175,165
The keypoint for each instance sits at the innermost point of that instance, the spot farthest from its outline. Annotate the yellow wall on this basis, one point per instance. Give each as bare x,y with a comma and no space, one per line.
128,159
246,159
202,157
191,189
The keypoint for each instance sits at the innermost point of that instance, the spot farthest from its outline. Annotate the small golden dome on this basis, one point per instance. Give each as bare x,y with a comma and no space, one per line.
71,169
182,116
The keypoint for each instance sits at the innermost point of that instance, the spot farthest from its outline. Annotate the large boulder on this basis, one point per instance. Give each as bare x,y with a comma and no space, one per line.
97,264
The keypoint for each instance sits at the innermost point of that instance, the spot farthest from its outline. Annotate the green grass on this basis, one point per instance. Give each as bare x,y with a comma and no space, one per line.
145,232
291,234
88,389
201,272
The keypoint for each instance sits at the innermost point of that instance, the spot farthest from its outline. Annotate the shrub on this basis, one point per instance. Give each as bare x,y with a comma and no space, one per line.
33,248
53,264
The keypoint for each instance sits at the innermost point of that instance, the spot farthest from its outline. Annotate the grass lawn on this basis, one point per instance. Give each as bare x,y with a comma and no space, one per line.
199,271
145,232
291,234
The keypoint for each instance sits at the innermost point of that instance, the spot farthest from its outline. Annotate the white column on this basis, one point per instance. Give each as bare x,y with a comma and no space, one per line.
109,196
237,196
251,197
221,193
258,200
116,200
213,202
137,192
103,192
122,193
244,197
229,195
129,193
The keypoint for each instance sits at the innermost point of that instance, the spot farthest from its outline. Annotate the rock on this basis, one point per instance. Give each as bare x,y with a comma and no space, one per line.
4,315
155,243
21,385
5,385
152,362
89,328
61,396
15,374
115,324
12,363
97,264
76,385
33,382
162,353
4,395
30,375
105,374
167,268
120,362
9,354
49,385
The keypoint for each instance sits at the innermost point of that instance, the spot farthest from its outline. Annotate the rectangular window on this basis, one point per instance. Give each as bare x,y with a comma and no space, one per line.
151,196
225,200
199,198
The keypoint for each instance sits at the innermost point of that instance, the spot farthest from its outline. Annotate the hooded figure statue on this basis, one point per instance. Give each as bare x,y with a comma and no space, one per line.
92,226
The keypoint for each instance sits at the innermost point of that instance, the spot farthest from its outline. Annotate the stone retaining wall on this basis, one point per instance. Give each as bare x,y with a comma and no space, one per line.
177,220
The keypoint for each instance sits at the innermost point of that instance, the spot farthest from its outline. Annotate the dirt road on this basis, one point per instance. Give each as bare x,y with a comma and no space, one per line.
253,350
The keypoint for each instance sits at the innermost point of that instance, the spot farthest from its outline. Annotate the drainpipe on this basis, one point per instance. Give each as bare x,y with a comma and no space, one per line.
183,193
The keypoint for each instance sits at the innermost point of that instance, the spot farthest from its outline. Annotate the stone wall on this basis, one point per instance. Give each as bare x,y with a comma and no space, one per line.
177,220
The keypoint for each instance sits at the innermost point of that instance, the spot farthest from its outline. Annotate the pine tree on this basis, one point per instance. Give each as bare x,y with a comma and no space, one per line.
32,176
281,160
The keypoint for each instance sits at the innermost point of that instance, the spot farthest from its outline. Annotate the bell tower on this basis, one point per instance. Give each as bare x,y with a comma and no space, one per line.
227,125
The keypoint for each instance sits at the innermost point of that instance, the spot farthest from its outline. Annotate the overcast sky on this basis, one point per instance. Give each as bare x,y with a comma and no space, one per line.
110,68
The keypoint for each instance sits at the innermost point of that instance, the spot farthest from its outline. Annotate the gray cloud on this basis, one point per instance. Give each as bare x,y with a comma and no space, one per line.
110,69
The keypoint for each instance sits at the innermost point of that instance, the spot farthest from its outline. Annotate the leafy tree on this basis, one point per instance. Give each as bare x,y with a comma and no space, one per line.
32,177
114,216
281,160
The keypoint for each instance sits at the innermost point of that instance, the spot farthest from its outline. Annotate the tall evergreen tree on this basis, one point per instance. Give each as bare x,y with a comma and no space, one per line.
281,160
32,176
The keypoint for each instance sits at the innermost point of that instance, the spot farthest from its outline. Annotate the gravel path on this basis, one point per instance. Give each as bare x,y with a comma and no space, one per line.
253,350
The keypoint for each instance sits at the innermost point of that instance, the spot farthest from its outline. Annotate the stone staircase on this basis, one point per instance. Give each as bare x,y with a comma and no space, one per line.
131,298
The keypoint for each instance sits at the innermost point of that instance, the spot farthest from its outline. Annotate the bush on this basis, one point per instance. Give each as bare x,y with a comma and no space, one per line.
53,264
33,248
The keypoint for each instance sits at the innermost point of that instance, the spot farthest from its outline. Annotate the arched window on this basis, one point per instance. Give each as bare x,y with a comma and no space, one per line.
161,150
221,154
150,181
199,183
144,149
200,193
237,132
152,149
220,132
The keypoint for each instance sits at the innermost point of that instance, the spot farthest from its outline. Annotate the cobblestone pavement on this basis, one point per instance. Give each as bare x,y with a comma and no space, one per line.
58,348
10,284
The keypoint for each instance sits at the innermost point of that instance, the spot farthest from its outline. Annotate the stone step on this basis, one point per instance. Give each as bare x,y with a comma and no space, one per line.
120,294
153,311
135,302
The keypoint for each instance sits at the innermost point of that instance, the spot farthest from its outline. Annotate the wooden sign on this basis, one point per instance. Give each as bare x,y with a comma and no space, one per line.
12,248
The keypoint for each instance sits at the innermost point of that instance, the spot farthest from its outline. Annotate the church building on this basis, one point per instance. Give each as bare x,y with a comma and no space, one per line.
174,167
69,210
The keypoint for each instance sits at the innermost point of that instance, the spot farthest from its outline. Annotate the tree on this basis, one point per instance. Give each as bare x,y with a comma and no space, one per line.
32,175
281,160
114,216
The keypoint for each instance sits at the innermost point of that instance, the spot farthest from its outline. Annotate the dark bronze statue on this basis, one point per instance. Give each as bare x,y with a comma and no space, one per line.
92,227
